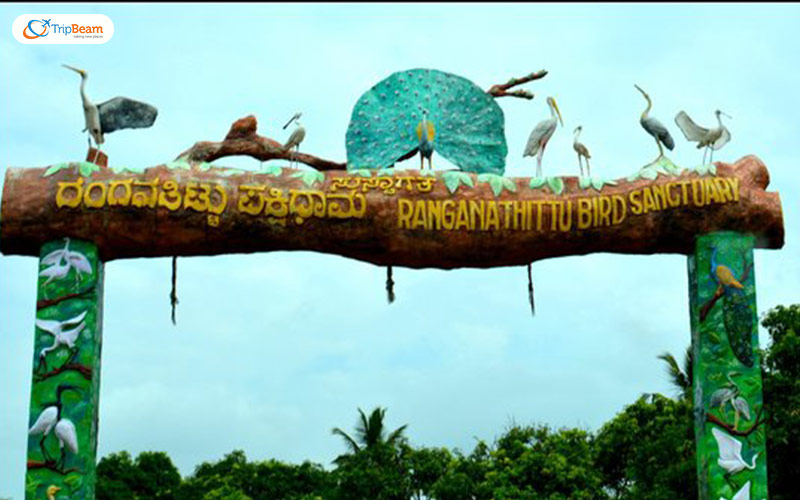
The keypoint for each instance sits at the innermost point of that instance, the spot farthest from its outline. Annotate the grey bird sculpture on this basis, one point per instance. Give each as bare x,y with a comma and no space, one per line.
296,137
655,128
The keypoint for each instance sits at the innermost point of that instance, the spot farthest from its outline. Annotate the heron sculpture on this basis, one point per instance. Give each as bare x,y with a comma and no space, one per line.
51,419
115,114
296,137
582,151
541,134
63,335
710,139
654,127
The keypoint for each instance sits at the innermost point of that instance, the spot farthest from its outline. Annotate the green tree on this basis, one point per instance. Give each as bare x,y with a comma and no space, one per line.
647,451
681,375
426,466
781,377
371,431
158,477
117,475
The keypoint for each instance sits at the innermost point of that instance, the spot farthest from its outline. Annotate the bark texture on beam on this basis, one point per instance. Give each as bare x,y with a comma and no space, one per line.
378,219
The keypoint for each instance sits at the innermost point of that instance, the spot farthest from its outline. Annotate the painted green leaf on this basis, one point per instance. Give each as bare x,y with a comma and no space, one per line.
497,183
131,170
204,166
30,486
509,184
231,171
556,184
537,182
597,183
386,172
309,177
454,178
427,173
272,170
180,163
74,482
648,173
361,172
86,168
713,169
55,168
584,182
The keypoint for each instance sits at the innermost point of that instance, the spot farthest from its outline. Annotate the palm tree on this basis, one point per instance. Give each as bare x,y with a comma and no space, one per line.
681,377
370,432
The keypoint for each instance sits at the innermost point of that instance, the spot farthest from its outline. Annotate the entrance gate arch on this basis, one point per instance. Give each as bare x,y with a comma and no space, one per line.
76,216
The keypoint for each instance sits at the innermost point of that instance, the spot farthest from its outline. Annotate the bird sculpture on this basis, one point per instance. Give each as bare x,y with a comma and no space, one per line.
730,395
61,335
296,137
730,453
426,133
655,128
462,123
736,313
115,114
582,151
541,135
51,492
61,261
710,139
51,419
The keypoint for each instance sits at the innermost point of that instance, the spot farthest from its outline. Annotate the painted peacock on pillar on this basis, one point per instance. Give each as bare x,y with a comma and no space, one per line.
736,314
429,112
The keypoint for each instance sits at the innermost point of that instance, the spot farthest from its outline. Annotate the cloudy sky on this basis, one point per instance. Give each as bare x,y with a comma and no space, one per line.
273,350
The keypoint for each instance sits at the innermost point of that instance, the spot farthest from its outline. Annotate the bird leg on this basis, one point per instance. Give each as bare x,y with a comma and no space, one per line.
62,459
73,353
539,162
421,162
588,168
660,150
580,164
42,362
705,152
47,457
711,160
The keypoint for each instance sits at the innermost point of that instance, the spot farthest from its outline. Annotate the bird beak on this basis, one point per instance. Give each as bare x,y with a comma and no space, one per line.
295,117
726,114
558,112
79,71
640,90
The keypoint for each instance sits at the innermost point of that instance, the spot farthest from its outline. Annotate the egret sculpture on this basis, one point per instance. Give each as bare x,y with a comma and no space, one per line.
115,114
61,335
730,395
736,313
463,123
742,494
61,261
541,135
296,137
51,420
710,139
654,127
426,133
730,453
582,151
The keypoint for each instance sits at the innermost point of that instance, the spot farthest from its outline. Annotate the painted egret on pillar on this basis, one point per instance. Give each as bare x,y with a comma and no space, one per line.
711,139
296,137
541,135
61,261
463,123
655,128
115,114
582,150
742,494
62,335
730,453
51,419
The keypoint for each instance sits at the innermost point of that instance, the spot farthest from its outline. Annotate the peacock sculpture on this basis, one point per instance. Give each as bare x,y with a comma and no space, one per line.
427,111
736,314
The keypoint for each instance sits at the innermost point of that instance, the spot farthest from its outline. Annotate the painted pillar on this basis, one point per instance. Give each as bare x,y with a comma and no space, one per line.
62,436
729,411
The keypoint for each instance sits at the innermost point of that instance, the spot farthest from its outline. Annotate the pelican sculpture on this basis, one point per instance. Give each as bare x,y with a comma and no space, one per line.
655,128
710,139
296,137
541,134
115,114
582,151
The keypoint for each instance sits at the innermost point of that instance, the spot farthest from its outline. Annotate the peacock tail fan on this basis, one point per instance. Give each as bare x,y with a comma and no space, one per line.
468,122
738,321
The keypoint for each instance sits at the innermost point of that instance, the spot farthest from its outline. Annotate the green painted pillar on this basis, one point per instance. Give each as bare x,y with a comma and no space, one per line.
729,409
62,435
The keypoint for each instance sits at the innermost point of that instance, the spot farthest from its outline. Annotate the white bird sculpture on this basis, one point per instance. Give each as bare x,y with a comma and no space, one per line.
710,139
61,261
115,114
541,134
730,453
61,336
742,494
51,420
297,136
582,151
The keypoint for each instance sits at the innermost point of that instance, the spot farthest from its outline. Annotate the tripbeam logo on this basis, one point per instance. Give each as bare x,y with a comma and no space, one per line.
62,28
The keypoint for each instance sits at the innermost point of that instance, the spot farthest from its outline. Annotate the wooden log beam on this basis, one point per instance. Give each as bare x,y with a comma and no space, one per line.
403,219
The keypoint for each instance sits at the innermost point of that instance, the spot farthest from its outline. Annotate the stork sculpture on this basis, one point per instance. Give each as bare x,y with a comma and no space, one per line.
655,128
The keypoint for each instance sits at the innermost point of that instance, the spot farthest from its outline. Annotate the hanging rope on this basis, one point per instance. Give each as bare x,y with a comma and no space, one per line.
530,291
173,296
389,285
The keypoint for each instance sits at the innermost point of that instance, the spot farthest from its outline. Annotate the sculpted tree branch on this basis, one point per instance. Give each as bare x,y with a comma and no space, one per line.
242,139
501,90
